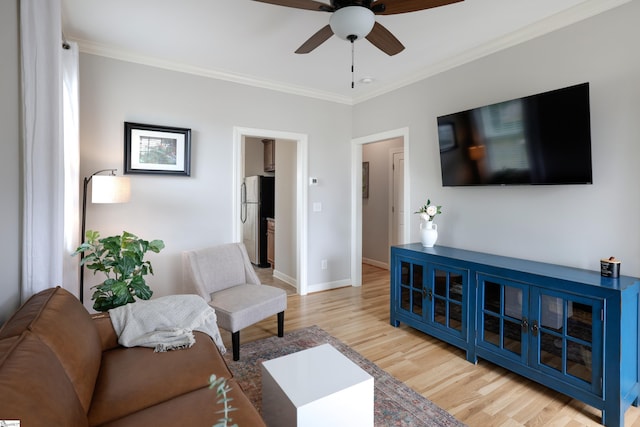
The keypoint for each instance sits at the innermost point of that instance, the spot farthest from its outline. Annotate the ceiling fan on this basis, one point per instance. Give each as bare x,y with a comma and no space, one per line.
354,19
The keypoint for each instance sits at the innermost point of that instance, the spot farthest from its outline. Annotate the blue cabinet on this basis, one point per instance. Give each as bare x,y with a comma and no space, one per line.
542,333
432,297
569,329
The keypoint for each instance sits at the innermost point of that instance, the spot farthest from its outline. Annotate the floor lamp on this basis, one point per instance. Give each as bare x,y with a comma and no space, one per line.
106,189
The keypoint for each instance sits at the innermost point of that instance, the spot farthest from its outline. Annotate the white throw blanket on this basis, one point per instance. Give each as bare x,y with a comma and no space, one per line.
165,323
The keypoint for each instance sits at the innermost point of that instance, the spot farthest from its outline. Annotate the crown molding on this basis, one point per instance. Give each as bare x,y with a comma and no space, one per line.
555,22
86,46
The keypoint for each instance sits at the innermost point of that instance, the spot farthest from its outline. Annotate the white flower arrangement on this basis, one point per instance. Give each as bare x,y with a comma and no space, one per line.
429,211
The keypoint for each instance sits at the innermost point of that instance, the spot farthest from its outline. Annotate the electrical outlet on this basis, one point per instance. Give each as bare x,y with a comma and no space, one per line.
323,264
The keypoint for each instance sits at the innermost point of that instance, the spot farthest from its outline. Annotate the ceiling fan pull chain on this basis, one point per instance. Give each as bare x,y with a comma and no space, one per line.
352,61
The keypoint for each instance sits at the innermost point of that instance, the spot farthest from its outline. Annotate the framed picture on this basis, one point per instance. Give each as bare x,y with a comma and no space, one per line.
161,150
365,180
447,137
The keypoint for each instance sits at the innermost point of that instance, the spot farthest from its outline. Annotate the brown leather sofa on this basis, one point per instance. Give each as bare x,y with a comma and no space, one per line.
60,366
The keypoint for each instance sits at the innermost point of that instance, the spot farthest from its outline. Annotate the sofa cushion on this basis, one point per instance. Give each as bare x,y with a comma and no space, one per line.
133,379
34,386
62,322
197,408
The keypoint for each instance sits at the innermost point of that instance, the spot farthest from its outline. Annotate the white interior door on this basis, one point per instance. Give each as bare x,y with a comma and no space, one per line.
397,199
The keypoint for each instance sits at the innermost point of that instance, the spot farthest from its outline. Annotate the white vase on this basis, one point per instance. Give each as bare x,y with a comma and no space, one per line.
428,234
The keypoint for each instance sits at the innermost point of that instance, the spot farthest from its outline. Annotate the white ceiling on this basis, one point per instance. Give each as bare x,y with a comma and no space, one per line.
254,43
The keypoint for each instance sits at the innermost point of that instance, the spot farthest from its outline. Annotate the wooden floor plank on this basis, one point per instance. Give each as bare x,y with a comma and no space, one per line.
479,395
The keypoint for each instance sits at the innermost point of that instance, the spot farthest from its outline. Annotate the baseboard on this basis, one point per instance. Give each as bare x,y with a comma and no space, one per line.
318,287
375,263
287,279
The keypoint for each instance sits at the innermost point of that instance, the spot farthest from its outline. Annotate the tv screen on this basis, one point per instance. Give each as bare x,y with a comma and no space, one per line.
538,139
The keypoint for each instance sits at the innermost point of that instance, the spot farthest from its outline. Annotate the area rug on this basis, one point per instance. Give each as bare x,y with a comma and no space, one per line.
395,404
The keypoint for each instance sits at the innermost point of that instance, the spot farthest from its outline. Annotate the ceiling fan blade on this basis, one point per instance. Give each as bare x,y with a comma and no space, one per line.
301,4
316,40
391,7
382,38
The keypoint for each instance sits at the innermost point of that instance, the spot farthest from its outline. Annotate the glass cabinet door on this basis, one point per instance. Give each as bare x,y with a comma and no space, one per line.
568,335
447,298
412,288
503,317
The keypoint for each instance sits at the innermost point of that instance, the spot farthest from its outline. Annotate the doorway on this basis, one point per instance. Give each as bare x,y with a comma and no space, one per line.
357,200
382,204
298,257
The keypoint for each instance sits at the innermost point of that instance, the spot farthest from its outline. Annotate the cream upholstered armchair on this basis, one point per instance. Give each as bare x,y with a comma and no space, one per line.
225,278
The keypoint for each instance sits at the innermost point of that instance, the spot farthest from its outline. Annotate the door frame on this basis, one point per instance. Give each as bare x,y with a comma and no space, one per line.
391,181
356,194
302,177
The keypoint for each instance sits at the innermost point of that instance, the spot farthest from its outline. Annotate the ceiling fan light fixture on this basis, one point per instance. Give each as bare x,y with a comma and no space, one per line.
352,22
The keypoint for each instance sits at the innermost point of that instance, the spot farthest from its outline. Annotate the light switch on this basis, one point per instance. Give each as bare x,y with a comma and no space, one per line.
317,206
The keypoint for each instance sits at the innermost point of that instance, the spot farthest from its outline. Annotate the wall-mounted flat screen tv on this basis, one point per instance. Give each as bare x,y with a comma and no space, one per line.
538,139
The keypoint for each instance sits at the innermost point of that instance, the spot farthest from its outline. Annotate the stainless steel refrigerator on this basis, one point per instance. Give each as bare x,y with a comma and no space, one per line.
257,196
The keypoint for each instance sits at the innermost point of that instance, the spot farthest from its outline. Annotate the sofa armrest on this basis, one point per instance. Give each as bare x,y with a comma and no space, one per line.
108,336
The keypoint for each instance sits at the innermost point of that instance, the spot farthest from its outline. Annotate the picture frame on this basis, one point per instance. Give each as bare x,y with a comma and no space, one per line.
157,150
447,137
365,180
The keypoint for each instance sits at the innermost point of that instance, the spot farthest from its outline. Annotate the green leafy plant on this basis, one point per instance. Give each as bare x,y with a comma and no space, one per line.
121,259
220,384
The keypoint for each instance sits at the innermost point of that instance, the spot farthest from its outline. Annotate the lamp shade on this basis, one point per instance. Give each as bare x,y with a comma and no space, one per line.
110,189
352,21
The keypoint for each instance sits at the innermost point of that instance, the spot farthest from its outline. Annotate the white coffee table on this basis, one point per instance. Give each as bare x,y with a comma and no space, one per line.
316,387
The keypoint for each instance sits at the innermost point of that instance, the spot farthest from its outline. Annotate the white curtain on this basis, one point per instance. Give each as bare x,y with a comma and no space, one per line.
48,179
71,162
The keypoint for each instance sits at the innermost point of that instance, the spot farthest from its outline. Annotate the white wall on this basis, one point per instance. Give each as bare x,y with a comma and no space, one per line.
192,212
11,160
570,225
375,209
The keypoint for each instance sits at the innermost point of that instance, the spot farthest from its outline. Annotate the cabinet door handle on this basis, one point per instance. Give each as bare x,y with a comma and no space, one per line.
430,293
525,325
534,328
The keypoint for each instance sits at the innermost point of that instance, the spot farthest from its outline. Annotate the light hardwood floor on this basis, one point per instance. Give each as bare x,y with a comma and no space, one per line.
478,395
265,275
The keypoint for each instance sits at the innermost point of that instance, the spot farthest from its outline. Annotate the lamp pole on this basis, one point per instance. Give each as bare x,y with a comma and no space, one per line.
84,220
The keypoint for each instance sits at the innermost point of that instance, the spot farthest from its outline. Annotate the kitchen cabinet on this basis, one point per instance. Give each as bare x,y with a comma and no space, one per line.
271,242
269,146
569,329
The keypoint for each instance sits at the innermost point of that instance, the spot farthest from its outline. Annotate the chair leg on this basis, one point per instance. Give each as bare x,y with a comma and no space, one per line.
235,342
281,324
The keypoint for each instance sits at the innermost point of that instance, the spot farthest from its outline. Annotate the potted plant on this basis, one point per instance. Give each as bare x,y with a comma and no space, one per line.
121,259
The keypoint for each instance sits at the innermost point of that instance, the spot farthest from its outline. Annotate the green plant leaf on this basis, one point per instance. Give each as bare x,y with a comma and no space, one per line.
126,266
156,245
140,288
